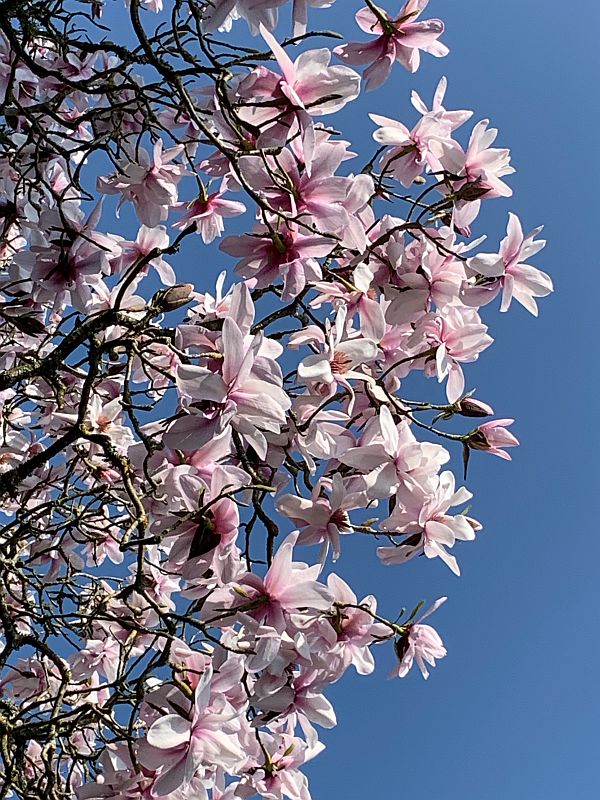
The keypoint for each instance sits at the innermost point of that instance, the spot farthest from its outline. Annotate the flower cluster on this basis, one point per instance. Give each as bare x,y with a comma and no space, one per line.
181,470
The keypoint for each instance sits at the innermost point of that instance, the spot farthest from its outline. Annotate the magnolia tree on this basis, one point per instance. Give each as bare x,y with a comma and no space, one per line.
179,465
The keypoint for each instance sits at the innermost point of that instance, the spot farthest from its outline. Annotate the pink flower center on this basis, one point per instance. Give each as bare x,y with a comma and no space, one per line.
103,423
341,519
340,362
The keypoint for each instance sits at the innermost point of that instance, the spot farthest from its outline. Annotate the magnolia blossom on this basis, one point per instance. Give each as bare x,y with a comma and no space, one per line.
390,455
411,152
186,746
493,437
322,519
147,241
207,214
287,586
398,39
310,83
352,629
457,336
237,395
476,172
338,362
307,87
287,253
220,13
420,513
150,184
507,271
420,643
322,200
452,118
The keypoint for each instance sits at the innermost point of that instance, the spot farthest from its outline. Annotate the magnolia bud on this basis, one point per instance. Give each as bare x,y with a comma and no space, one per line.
469,407
472,191
173,297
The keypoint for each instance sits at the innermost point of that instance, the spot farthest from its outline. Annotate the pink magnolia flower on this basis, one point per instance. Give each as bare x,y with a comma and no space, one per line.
322,519
287,254
302,697
452,118
310,83
286,587
102,539
478,172
117,778
99,654
420,643
276,776
65,277
357,297
411,152
150,184
421,514
306,88
158,583
354,627
218,306
147,240
393,456
317,198
67,269
31,681
243,395
339,361
105,417
189,746
213,531
458,336
480,163
399,39
207,214
507,271
428,274
219,14
492,436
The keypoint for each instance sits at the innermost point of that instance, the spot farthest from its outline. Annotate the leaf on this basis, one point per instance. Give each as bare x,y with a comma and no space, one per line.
415,610
466,454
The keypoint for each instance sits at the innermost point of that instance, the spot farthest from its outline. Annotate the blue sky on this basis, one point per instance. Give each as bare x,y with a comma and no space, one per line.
513,711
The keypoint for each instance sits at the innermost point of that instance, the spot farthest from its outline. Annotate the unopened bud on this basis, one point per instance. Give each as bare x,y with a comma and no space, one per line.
469,407
173,297
472,191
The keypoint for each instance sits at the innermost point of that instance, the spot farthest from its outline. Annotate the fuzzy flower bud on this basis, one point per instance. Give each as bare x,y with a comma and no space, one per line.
470,407
174,297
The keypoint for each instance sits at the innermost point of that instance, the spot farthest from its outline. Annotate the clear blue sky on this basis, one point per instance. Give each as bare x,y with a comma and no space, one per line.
513,711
